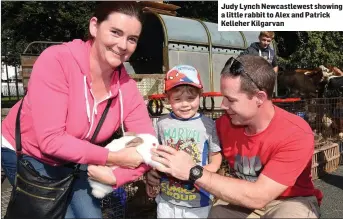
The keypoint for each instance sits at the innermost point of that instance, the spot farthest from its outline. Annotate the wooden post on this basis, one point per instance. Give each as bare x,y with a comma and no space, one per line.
159,7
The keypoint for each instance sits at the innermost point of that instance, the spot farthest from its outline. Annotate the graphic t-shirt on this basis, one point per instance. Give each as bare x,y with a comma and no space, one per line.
282,152
198,137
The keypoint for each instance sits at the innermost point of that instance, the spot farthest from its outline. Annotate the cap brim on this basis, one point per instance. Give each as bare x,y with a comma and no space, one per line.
184,83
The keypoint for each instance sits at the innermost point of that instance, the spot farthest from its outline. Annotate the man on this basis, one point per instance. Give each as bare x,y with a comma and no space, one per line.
269,151
263,49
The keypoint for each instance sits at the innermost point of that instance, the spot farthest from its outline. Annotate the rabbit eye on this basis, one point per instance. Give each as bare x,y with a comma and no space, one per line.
154,144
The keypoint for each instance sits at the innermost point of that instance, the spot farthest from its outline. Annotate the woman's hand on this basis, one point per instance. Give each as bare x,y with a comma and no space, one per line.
127,158
101,174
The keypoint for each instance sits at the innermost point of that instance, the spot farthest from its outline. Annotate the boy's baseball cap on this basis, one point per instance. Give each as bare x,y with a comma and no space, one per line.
181,75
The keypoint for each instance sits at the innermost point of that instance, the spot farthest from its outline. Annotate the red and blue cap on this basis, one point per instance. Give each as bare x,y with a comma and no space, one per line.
182,75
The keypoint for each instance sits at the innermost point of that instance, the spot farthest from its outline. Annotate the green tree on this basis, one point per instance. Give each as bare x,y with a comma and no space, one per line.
24,22
204,10
310,49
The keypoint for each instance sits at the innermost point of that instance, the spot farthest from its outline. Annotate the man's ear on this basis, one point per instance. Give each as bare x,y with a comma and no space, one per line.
134,142
261,97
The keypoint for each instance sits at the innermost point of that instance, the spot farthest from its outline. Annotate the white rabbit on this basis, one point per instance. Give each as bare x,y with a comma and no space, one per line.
144,141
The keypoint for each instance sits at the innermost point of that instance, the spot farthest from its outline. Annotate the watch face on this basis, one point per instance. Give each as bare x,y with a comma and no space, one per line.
196,172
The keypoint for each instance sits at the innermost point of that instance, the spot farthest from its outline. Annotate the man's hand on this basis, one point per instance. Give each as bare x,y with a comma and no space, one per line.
176,163
101,174
153,178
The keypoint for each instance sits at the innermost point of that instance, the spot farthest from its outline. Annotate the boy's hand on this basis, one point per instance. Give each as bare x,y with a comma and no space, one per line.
150,191
153,178
101,174
215,162
211,168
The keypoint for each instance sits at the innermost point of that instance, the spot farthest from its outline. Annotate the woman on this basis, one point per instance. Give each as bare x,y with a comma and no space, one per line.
68,90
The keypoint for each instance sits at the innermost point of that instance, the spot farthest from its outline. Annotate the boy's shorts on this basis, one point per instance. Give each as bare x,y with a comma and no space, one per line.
168,210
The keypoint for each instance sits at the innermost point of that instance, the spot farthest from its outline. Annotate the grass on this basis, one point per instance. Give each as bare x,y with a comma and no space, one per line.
8,98
6,102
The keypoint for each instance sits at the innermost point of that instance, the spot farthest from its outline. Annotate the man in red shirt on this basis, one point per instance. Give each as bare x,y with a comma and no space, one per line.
269,151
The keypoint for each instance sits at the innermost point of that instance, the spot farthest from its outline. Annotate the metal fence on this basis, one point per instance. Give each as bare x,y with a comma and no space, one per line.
324,115
12,88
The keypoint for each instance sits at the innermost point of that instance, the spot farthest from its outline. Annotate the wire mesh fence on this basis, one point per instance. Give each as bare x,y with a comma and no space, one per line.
129,201
324,115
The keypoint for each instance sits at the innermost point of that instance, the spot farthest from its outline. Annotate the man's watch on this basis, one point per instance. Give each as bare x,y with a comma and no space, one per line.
195,173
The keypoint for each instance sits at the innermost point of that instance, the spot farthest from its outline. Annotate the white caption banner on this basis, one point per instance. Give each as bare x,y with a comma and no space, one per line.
286,15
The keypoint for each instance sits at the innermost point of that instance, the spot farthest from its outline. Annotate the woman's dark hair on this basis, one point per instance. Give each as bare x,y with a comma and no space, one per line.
104,8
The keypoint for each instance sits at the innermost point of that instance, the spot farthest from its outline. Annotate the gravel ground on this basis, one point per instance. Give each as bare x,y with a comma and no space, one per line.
331,185
6,189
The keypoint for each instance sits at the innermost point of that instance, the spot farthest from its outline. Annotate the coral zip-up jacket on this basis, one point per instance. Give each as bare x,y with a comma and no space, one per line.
59,114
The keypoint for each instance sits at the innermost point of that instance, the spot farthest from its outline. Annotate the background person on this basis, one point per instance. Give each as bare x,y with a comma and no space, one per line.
263,49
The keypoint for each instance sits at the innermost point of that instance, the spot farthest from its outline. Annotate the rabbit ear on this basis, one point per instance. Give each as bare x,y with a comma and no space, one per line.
134,142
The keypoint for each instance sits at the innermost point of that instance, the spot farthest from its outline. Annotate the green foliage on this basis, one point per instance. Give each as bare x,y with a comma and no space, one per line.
313,49
204,10
27,21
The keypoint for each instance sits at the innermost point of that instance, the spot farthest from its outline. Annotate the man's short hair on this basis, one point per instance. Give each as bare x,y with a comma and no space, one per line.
269,34
260,71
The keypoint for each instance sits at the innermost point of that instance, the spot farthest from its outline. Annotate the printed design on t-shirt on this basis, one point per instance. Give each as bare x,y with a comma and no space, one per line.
185,139
189,146
248,168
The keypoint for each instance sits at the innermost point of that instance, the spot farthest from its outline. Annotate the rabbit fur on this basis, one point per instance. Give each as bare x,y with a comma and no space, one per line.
146,142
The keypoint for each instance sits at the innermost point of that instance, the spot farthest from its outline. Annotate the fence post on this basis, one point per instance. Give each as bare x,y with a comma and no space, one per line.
16,81
8,83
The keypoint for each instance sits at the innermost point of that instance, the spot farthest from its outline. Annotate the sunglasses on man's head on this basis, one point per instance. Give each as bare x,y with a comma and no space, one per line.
237,68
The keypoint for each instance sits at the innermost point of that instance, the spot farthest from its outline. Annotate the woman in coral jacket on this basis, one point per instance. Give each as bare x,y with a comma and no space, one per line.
68,90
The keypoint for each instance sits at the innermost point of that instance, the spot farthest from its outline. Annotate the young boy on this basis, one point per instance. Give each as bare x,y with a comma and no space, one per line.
186,129
263,49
